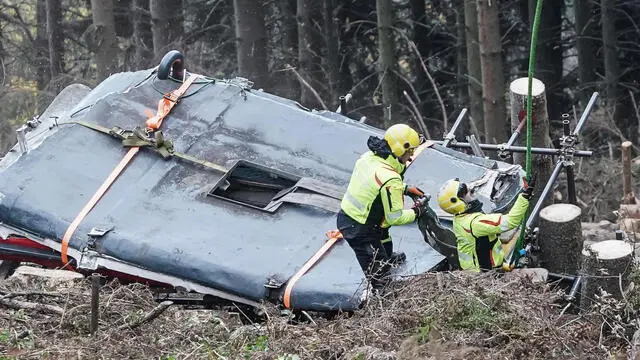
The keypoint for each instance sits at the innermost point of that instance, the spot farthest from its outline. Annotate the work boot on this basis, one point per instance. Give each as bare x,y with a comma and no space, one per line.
397,258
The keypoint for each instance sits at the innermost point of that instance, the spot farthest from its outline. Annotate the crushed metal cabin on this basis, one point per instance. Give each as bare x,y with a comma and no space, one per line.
231,199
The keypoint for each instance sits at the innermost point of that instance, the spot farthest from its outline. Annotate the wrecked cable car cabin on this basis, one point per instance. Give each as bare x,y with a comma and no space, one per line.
233,198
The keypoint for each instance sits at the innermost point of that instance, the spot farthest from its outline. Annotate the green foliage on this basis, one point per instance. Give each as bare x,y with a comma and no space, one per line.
474,312
424,330
5,337
260,344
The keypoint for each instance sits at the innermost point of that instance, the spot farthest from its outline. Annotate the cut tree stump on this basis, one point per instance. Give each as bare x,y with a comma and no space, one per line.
543,165
560,238
605,266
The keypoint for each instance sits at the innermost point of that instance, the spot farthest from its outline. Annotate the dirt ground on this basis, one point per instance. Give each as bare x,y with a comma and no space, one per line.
434,316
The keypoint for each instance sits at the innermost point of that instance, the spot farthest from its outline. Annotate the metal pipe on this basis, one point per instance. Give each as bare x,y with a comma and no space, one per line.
571,185
518,149
451,135
586,113
95,301
516,133
545,192
566,130
574,288
561,277
475,146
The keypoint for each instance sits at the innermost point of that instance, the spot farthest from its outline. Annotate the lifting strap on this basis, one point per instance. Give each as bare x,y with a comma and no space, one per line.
157,144
167,103
164,107
334,236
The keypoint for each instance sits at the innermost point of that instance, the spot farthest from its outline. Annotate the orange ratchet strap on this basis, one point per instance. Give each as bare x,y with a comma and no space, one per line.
334,236
94,200
164,107
167,103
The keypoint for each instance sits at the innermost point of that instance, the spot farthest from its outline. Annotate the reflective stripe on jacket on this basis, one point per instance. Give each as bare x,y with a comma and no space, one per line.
375,194
477,236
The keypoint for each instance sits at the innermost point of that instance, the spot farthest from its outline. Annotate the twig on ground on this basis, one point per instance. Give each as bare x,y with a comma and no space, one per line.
149,316
14,304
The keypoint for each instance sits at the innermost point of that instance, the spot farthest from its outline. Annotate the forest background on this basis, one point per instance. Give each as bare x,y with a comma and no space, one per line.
441,55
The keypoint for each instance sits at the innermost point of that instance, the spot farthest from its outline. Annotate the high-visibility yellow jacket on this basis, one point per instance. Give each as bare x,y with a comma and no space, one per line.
477,236
375,194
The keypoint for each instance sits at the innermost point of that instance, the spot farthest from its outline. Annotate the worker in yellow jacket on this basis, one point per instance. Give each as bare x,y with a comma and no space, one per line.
479,248
374,201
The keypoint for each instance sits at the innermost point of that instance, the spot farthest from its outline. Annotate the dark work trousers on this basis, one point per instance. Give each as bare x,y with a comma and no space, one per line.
365,240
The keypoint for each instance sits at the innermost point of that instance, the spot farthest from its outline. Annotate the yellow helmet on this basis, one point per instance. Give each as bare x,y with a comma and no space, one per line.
448,198
401,137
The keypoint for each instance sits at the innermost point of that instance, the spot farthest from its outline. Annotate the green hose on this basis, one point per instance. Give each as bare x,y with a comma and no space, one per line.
532,56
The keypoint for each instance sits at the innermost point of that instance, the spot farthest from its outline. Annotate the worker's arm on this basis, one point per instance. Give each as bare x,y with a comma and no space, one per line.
496,223
392,196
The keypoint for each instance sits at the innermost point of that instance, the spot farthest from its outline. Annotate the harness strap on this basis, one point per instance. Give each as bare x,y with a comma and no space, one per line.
167,103
158,144
93,201
164,107
334,236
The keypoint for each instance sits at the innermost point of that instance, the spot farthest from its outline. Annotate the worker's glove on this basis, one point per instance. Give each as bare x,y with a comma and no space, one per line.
422,208
527,192
413,191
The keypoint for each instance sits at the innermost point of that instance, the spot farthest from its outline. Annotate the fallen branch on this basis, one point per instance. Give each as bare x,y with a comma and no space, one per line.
18,305
30,293
418,116
306,84
149,316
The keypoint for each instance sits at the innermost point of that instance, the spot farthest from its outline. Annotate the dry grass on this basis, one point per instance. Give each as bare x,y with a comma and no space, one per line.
434,316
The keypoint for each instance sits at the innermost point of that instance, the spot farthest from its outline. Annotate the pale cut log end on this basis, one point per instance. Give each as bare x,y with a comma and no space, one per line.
521,87
609,250
560,213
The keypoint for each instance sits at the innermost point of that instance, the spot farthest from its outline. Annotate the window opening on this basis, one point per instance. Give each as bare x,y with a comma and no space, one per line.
254,185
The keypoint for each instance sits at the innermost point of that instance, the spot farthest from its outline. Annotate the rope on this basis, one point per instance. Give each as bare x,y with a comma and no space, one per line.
532,56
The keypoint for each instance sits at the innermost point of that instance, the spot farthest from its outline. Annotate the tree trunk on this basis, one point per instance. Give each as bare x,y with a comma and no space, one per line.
332,57
492,75
605,265
542,165
41,46
387,62
166,25
142,38
251,42
560,238
122,17
548,67
345,80
461,66
611,67
105,37
290,86
585,47
421,38
310,44
56,44
474,71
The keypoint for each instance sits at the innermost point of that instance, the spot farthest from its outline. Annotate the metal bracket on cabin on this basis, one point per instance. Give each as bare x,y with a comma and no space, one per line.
95,233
